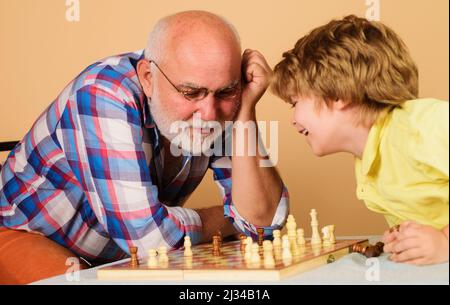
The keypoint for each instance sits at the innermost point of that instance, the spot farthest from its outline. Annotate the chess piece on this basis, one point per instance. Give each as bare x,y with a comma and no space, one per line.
152,261
242,239
286,255
255,258
315,237
316,249
188,262
187,246
162,255
219,234
216,245
301,237
269,261
394,228
276,239
331,232
370,250
248,248
277,244
134,257
326,236
260,236
291,227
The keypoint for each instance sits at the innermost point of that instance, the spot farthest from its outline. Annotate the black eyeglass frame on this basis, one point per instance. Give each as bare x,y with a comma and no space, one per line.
229,93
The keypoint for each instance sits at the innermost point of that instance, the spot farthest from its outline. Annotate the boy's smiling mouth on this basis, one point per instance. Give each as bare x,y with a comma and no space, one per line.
304,131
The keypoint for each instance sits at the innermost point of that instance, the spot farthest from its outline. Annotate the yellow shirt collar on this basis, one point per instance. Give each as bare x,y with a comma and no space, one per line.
371,149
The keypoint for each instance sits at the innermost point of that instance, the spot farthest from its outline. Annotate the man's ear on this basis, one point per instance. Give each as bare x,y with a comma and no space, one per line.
145,76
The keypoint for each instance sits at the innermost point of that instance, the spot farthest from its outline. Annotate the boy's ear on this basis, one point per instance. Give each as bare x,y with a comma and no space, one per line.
339,104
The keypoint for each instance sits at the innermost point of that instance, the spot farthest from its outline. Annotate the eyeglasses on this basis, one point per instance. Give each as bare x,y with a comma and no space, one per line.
196,94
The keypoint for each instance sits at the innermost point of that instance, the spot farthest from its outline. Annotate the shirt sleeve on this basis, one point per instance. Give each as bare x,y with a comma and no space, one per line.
221,167
104,138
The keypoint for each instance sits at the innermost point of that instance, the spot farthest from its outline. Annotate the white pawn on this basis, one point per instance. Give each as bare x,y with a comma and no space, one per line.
315,238
286,255
291,227
301,237
187,246
152,261
188,262
332,237
325,237
277,239
255,258
316,249
162,254
269,261
248,248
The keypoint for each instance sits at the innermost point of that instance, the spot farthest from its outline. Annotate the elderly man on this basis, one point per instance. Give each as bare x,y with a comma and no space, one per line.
97,173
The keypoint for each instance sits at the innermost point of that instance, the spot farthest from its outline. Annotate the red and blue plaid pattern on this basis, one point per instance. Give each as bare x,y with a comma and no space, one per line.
86,174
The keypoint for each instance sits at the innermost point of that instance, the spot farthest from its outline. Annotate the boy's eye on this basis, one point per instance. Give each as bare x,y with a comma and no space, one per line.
293,105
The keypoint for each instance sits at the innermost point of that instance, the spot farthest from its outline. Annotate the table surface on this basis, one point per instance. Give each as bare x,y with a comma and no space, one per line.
351,269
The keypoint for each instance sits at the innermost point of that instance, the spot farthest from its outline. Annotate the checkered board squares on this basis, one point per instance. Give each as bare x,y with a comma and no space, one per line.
229,266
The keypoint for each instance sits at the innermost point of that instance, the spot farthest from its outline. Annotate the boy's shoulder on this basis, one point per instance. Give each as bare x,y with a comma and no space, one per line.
425,107
421,113
415,122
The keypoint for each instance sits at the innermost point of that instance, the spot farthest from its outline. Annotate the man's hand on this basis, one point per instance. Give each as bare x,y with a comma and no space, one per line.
256,73
417,244
213,220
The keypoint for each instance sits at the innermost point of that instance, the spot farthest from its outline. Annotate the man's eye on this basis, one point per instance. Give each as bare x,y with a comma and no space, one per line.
227,93
192,93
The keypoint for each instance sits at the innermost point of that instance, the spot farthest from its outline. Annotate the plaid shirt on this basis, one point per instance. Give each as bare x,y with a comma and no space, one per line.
88,173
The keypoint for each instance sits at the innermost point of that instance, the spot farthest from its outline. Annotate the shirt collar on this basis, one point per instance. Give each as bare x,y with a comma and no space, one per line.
372,147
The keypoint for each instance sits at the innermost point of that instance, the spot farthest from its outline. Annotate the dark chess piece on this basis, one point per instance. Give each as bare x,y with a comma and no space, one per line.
369,251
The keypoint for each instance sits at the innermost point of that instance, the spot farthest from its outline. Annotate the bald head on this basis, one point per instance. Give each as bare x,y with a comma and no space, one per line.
194,32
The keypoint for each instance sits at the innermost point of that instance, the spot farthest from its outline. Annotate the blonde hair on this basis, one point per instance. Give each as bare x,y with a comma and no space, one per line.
355,60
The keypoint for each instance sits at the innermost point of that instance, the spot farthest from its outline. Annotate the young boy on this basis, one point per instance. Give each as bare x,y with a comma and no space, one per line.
354,88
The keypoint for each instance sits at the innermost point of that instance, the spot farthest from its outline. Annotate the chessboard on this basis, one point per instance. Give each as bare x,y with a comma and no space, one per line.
230,264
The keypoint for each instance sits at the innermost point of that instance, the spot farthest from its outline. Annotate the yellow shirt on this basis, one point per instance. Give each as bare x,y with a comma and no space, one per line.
403,172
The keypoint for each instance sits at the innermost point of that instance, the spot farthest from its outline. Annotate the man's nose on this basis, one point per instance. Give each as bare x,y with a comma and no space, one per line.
208,109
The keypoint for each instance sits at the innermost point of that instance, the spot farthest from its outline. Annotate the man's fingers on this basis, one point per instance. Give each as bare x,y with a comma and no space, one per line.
253,56
255,70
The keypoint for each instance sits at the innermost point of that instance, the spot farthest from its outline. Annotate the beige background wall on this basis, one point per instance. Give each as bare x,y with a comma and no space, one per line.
40,52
